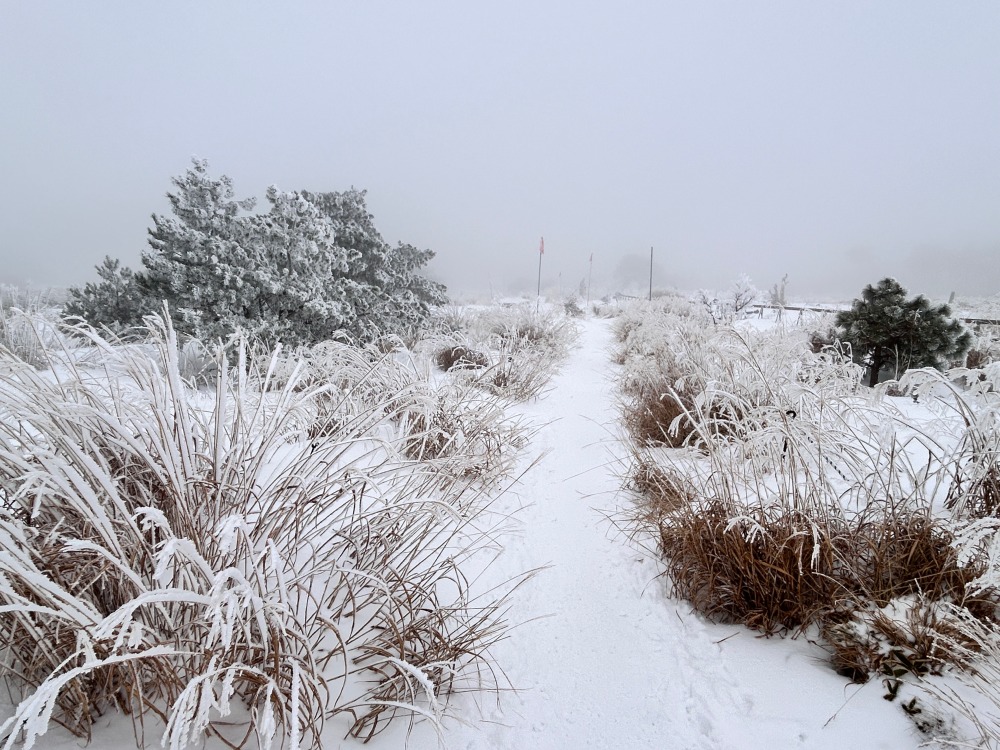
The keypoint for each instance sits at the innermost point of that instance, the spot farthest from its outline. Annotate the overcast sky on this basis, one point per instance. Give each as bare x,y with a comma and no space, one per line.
837,142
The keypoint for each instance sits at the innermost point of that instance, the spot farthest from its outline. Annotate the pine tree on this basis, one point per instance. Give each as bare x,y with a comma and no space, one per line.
388,294
312,267
887,329
116,301
201,260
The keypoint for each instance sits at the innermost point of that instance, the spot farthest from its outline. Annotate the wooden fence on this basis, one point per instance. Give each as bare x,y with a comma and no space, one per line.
806,308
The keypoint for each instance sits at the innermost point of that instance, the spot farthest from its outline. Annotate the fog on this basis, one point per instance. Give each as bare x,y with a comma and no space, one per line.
837,143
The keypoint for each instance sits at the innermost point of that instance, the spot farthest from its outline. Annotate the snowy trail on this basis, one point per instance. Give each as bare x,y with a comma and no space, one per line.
602,661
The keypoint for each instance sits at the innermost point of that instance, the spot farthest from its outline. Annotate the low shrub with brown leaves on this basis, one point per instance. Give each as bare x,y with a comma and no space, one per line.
908,635
460,357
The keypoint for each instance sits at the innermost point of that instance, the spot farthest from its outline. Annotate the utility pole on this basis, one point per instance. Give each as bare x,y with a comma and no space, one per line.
538,294
650,273
590,277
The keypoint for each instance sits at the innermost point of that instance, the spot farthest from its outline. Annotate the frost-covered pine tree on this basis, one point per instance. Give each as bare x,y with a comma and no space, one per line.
201,261
886,329
388,294
306,282
116,300
309,268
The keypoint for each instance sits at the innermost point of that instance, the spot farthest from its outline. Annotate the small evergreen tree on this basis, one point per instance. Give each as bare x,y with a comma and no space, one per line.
116,301
887,329
201,261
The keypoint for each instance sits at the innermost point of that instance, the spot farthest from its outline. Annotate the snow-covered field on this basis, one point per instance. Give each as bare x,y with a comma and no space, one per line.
600,655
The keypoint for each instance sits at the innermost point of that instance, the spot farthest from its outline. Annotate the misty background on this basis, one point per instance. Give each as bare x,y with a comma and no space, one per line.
837,143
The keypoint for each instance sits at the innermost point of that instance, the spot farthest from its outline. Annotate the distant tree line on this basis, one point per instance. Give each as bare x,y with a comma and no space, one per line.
313,266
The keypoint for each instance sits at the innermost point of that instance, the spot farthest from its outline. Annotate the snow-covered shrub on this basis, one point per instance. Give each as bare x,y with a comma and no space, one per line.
803,499
741,295
716,309
730,305
907,635
512,352
451,355
985,349
200,558
573,308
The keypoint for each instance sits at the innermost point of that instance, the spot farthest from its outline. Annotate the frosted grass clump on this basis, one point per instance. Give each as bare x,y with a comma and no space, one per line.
206,558
32,336
511,352
794,497
462,431
679,373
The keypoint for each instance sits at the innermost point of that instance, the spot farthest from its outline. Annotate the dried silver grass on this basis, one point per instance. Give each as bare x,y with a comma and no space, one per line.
192,556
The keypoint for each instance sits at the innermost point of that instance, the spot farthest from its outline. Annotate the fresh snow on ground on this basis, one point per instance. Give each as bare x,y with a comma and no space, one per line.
605,659
601,656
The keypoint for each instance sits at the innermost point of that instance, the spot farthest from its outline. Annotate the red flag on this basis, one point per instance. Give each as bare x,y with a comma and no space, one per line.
541,247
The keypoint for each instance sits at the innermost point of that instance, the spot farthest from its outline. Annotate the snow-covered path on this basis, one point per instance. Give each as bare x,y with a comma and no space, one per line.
607,665
604,659
601,661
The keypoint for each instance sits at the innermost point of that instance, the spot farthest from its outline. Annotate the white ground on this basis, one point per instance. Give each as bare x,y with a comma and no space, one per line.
603,658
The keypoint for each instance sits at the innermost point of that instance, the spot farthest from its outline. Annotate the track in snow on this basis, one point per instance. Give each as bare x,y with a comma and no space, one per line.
602,659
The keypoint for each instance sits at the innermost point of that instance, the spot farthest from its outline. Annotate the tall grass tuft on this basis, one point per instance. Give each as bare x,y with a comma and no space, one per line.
29,335
509,352
784,497
212,562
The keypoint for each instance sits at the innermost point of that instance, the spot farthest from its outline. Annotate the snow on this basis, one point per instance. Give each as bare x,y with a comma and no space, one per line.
601,656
